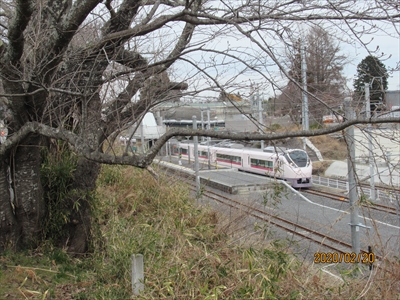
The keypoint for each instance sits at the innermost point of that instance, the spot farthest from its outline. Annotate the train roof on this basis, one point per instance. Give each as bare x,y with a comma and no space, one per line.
278,151
272,149
233,148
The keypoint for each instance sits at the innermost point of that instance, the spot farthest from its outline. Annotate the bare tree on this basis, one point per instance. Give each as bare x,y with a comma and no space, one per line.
57,58
325,80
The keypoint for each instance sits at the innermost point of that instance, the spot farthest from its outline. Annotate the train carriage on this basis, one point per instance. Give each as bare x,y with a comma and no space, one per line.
297,168
261,163
292,165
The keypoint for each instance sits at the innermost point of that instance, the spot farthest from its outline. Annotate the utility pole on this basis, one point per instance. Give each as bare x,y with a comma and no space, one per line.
353,196
208,138
304,111
196,158
369,136
142,136
260,117
202,124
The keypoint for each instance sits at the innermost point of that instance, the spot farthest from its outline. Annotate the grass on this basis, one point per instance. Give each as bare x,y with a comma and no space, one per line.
319,167
189,253
330,148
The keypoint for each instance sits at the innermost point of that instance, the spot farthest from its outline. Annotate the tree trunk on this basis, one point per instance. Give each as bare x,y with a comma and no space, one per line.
22,215
9,227
21,200
79,227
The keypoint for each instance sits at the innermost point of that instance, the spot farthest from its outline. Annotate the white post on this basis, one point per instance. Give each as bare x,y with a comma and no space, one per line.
353,195
142,136
260,118
304,92
208,138
196,158
371,154
202,124
137,274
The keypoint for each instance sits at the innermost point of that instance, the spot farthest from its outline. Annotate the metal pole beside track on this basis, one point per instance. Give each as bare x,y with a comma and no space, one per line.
353,197
208,138
202,124
142,136
196,158
369,136
260,118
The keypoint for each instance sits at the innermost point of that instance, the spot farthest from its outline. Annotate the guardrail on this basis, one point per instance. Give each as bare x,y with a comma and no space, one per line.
381,194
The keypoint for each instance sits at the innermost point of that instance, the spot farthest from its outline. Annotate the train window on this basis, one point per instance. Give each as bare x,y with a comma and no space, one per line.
229,158
259,163
203,154
300,158
237,159
184,151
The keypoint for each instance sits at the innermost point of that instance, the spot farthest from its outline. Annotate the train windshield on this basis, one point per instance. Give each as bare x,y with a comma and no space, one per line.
300,158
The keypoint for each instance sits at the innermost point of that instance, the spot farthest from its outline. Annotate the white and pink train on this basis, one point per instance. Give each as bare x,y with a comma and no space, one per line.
292,165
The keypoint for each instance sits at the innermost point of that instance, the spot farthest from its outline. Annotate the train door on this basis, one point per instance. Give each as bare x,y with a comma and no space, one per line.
246,161
278,167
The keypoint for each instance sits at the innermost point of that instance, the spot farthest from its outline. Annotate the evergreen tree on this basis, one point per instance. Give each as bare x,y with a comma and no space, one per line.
373,72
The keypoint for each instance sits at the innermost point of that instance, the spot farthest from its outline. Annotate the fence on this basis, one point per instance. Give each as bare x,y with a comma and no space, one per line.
381,194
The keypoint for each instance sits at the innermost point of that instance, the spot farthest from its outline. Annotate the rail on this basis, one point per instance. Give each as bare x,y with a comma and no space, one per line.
382,194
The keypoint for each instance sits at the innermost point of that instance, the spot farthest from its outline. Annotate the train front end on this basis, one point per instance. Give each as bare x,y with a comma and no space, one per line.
298,168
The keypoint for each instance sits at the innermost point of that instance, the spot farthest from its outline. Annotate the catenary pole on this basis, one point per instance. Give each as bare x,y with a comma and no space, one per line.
304,111
142,136
260,118
353,197
202,124
369,136
208,138
196,158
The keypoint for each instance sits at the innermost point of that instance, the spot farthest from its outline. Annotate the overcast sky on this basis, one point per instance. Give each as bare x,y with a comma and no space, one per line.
384,45
389,46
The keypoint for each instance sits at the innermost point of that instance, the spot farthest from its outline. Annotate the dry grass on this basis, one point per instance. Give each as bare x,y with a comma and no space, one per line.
319,167
330,148
189,253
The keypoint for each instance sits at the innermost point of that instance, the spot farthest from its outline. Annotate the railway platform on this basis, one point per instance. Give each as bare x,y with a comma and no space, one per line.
229,180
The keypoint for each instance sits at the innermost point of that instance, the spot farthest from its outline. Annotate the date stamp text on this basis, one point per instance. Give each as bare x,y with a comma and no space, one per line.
336,257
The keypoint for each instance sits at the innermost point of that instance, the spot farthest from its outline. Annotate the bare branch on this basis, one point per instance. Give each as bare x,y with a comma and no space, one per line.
142,161
130,59
71,93
24,10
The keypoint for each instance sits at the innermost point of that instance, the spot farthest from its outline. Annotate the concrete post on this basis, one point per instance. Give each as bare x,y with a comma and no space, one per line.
306,125
372,195
260,117
142,137
202,124
137,274
353,196
304,111
196,158
208,138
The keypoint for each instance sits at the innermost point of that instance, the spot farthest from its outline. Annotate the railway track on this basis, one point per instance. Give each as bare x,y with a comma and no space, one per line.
382,188
334,245
337,197
324,241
